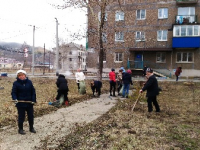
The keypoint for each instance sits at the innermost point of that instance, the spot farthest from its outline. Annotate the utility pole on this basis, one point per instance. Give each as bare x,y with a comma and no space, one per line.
57,53
33,51
44,60
49,60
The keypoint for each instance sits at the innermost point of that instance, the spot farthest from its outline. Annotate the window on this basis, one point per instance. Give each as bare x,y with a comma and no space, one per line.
184,57
184,30
119,15
140,36
106,16
104,56
161,57
186,11
70,52
118,56
141,14
162,13
185,15
104,37
119,36
162,35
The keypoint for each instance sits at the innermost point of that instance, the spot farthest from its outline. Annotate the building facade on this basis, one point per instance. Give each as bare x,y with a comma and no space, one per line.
162,34
72,57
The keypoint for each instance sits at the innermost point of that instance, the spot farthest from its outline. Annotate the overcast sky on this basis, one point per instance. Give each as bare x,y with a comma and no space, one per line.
17,18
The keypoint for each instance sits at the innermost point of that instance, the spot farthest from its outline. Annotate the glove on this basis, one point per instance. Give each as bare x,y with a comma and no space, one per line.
16,101
141,91
32,103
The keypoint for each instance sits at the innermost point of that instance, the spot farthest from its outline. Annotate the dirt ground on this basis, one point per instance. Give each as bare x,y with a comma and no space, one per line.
53,127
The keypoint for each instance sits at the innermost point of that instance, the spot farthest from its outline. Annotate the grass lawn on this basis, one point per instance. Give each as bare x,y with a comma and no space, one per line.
176,127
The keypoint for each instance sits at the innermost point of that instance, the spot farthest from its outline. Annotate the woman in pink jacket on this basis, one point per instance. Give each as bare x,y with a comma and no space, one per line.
112,82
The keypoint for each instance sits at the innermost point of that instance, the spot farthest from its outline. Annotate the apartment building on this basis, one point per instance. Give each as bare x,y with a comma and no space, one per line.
162,34
72,57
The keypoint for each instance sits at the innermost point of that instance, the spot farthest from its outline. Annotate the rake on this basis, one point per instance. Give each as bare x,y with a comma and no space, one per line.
22,101
136,101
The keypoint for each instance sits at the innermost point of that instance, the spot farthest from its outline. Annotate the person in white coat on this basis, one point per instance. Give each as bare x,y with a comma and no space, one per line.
79,75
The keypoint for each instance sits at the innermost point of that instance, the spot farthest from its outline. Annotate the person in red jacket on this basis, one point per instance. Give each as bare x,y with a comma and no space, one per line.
178,72
112,82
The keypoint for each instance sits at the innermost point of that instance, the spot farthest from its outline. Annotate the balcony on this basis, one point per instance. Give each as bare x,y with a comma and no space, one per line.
185,42
184,19
186,1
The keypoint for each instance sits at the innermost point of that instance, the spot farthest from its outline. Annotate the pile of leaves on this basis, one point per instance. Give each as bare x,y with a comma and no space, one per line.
46,92
176,127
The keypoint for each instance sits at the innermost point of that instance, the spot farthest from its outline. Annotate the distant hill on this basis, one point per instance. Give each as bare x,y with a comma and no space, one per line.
16,51
10,44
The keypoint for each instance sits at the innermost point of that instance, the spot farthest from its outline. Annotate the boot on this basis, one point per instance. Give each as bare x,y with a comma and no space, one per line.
21,131
114,94
31,129
66,103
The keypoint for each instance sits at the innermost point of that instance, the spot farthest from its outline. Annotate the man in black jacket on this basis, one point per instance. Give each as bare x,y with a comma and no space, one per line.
152,90
96,86
62,88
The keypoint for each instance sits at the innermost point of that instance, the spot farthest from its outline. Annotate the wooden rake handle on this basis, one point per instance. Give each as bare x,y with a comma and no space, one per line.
22,101
136,101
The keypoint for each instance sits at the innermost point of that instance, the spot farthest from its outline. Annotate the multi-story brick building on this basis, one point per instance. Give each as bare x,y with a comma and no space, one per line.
162,34
72,57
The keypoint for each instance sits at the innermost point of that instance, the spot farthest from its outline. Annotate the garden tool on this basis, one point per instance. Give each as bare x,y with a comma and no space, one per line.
136,101
57,103
22,101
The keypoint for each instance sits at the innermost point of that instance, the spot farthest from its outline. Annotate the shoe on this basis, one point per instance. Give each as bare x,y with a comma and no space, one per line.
66,103
126,96
111,95
119,94
114,96
32,130
21,131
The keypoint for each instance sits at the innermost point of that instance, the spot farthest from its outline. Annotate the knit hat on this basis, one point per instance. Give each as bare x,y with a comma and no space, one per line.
149,70
21,71
129,71
123,70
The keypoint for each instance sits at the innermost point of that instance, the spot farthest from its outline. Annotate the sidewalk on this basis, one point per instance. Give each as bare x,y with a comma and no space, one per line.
52,127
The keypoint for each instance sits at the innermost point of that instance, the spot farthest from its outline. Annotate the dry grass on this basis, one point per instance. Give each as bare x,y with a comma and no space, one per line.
46,91
176,127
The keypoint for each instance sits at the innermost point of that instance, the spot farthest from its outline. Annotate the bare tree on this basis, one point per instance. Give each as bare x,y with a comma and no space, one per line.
93,6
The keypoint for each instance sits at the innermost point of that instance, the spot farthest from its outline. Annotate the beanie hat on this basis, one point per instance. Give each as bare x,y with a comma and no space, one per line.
123,70
149,70
21,71
112,69
129,71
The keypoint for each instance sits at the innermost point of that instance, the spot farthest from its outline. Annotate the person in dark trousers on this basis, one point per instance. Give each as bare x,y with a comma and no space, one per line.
144,70
126,79
23,93
119,81
96,86
178,72
112,82
62,88
152,90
